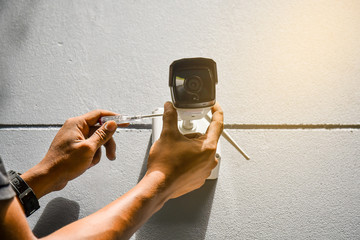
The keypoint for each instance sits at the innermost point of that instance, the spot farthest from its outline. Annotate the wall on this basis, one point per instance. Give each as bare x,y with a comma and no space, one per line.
288,83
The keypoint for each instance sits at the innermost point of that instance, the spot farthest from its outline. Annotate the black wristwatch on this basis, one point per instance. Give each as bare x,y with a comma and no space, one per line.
24,192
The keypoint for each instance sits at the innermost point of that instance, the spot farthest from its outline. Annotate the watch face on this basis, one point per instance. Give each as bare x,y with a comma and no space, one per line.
30,203
16,182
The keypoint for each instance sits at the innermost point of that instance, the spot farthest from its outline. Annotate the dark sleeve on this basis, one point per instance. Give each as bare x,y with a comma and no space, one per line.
6,191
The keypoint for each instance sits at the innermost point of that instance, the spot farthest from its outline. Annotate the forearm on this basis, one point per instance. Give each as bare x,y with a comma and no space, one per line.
121,218
118,220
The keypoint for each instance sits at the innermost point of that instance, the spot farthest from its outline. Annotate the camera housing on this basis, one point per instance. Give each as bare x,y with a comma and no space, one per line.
192,83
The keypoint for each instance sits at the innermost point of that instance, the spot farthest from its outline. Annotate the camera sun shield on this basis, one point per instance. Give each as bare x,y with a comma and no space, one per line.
192,82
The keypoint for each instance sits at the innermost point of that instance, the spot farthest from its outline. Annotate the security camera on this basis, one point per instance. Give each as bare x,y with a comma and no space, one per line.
192,84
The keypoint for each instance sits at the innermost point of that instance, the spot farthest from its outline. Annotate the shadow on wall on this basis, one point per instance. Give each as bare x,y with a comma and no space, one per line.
58,213
185,217
144,165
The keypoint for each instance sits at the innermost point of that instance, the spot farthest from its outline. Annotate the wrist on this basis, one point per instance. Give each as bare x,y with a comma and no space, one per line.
40,180
136,206
155,186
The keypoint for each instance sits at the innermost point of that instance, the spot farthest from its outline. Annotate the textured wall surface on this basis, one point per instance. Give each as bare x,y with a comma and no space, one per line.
289,83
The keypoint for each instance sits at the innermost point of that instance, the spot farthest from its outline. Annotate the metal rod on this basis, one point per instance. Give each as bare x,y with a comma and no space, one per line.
227,136
151,115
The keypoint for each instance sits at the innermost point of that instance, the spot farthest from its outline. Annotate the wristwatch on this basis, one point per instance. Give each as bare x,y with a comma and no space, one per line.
25,194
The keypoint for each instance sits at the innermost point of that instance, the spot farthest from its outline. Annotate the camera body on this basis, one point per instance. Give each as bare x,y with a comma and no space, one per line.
192,83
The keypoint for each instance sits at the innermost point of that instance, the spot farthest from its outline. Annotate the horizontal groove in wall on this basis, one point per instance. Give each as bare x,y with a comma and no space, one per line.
47,126
226,126
292,126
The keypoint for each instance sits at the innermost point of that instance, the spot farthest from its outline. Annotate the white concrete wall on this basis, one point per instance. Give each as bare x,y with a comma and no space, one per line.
292,66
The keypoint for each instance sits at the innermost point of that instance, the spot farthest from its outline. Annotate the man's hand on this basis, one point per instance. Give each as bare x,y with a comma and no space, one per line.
185,161
75,148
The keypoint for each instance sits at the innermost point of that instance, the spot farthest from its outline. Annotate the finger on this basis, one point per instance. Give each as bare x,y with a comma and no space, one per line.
170,120
96,158
110,147
94,128
217,123
215,162
123,124
91,131
102,134
92,117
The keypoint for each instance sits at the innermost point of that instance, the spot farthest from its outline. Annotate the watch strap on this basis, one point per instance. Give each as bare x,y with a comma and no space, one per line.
25,194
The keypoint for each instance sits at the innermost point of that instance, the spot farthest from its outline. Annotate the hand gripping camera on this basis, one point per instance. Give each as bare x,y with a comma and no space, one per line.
192,83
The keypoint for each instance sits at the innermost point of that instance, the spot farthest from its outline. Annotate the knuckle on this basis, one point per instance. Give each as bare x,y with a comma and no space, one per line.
169,110
167,113
219,124
101,134
95,110
209,147
222,125
69,121
74,121
168,134
98,110
215,163
221,112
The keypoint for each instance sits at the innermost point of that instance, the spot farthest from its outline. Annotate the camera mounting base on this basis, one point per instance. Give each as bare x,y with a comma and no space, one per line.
198,126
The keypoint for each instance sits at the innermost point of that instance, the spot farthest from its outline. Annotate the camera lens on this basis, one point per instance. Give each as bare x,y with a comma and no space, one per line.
193,84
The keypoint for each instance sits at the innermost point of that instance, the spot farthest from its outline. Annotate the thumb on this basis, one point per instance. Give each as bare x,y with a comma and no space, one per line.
102,134
170,120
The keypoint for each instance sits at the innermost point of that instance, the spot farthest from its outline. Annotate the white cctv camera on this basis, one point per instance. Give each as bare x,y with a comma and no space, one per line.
192,83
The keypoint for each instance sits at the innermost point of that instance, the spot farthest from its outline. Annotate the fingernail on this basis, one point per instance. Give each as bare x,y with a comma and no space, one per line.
110,126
